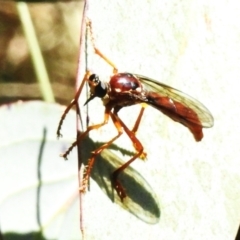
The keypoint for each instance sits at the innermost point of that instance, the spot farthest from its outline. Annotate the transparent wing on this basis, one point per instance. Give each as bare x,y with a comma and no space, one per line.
165,91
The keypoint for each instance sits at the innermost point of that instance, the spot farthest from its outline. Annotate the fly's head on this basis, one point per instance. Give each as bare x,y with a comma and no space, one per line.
97,87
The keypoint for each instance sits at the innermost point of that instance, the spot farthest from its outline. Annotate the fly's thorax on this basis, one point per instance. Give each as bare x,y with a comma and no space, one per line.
125,82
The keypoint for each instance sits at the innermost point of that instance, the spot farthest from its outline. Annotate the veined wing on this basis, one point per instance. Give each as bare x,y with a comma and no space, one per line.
176,96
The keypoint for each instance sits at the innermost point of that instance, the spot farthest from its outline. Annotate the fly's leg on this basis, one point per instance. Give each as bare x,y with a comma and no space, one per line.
140,154
97,51
91,160
136,143
136,126
84,134
73,102
137,123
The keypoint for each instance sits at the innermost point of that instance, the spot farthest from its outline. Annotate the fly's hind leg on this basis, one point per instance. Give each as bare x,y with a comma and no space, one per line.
139,148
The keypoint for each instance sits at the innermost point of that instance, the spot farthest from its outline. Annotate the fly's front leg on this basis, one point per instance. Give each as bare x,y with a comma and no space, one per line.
97,51
89,166
73,102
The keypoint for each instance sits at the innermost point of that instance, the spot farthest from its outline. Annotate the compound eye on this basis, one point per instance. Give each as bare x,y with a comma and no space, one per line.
94,78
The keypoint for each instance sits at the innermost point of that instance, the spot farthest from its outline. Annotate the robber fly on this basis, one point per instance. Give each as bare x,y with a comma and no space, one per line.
127,89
